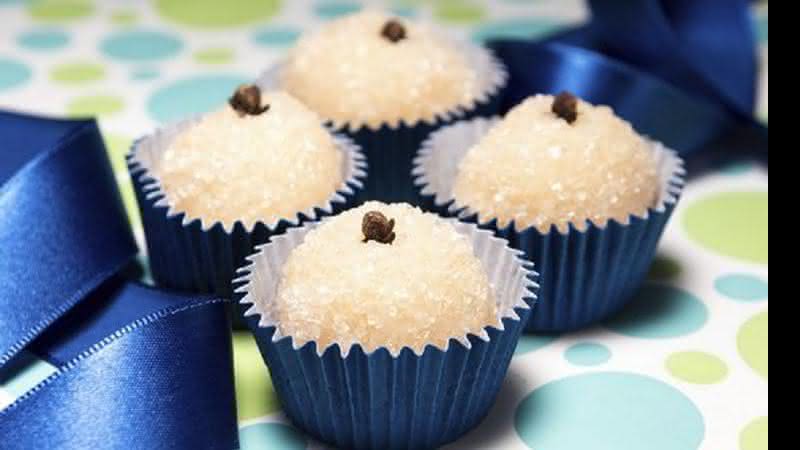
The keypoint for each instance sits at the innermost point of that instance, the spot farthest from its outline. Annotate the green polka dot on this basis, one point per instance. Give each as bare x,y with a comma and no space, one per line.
460,12
60,10
123,18
255,396
753,343
95,105
734,224
409,4
697,367
77,73
118,147
214,56
217,14
756,435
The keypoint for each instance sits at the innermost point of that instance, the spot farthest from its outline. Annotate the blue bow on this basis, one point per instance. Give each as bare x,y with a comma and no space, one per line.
682,71
137,368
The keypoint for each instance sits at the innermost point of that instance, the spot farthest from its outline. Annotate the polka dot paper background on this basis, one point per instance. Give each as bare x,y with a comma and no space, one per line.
685,367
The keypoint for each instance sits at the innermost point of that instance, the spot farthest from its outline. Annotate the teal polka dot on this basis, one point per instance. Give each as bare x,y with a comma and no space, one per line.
661,312
742,287
515,28
588,354
762,28
277,36
404,11
529,343
141,45
13,73
737,168
609,411
271,436
144,74
43,39
192,96
335,9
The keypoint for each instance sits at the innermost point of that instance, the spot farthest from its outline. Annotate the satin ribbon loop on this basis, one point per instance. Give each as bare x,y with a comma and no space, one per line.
707,47
63,231
681,71
136,368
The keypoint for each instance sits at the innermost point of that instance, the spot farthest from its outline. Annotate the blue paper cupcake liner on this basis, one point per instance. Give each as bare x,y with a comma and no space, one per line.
195,255
390,149
585,275
378,400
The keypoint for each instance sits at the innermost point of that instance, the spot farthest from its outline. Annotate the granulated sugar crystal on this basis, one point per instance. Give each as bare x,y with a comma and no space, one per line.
425,287
372,69
538,169
233,167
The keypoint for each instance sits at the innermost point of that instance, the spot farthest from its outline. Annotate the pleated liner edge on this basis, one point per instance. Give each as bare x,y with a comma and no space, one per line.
377,400
585,276
390,148
186,254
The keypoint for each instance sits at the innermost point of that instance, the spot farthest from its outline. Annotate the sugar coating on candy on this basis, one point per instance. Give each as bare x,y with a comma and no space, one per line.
537,169
231,167
426,287
358,71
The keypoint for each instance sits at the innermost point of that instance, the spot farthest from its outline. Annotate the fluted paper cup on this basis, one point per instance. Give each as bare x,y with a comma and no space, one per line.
351,398
587,274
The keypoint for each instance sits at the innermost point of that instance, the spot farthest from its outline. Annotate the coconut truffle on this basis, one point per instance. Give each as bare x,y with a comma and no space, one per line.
416,281
265,163
559,161
372,69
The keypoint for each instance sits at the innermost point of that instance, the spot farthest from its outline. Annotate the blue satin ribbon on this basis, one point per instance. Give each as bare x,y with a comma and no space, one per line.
682,71
137,368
